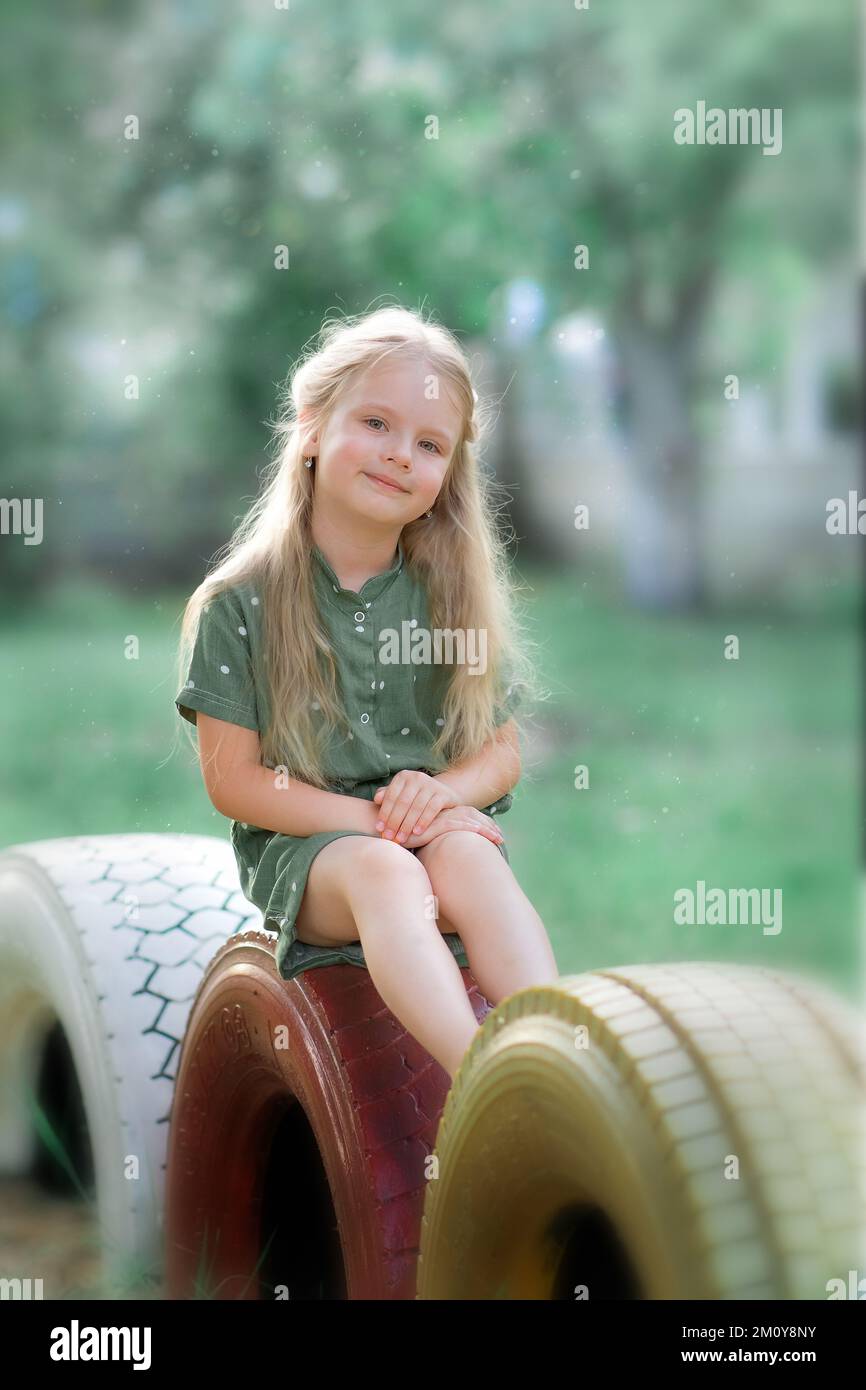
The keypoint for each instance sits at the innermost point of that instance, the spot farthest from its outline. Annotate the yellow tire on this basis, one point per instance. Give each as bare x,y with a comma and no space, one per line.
682,1131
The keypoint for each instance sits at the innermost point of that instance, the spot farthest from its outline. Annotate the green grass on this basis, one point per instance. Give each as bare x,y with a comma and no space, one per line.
741,773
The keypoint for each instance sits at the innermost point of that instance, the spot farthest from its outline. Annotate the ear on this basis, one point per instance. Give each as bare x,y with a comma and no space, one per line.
309,440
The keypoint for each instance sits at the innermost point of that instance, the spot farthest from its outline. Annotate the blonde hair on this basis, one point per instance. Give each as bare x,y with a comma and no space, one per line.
457,553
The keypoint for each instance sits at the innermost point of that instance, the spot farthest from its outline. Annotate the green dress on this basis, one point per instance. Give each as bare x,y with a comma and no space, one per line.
394,709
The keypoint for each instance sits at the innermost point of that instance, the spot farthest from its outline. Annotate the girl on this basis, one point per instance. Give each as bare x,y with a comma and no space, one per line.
344,666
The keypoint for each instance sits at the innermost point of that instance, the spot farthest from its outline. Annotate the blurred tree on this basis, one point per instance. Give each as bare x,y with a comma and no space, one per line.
156,257
665,224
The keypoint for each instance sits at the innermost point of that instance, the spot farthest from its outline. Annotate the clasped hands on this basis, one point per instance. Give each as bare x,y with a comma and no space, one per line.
414,808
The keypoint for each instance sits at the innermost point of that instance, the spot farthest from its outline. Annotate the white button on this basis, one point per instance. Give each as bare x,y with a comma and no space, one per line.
440,721
359,617
358,628
404,731
373,686
225,670
381,685
242,631
253,600
413,622
367,605
365,718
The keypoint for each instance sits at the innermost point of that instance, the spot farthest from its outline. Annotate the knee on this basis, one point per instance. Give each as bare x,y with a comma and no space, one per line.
378,863
453,858
457,848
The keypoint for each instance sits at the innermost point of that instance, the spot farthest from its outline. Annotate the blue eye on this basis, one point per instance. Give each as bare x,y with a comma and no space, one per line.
370,418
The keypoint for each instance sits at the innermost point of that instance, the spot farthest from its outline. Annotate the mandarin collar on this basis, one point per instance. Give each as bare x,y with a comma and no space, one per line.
373,586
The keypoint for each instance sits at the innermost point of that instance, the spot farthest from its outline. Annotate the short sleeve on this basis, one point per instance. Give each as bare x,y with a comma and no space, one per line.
220,678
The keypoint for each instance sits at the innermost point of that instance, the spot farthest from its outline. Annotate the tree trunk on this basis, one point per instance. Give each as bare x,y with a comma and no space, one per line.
662,533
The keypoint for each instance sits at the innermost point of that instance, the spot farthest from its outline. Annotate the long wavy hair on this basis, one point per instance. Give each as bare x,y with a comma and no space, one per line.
459,553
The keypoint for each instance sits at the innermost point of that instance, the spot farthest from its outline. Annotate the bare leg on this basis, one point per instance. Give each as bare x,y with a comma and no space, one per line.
479,897
363,888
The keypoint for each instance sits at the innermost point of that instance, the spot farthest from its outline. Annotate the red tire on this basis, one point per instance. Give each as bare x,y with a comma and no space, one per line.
302,1119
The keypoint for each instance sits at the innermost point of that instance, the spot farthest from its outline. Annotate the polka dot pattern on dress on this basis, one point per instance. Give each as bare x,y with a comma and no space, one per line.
223,678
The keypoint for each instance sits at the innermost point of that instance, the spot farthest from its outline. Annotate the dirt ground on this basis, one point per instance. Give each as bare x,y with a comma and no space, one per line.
56,1239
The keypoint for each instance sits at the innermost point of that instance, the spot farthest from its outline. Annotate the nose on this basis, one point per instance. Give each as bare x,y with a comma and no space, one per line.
399,454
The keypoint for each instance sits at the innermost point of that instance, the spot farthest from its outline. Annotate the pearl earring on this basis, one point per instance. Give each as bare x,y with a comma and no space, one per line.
308,463
430,513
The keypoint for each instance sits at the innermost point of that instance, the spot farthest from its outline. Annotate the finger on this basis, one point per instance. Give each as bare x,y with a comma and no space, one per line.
488,829
413,811
387,804
477,826
492,835
426,817
396,814
383,811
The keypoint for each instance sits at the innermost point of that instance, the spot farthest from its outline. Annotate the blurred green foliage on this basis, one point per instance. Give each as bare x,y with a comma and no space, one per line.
305,127
741,773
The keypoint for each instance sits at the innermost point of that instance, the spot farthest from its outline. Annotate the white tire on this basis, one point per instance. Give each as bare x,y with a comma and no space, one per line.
108,936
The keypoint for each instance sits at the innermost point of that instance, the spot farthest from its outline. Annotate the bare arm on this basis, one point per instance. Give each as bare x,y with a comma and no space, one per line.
242,788
490,774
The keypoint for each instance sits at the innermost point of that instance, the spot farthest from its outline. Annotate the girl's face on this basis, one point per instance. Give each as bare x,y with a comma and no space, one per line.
386,428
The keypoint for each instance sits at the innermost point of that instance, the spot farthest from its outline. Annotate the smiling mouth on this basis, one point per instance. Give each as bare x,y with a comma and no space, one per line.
391,487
